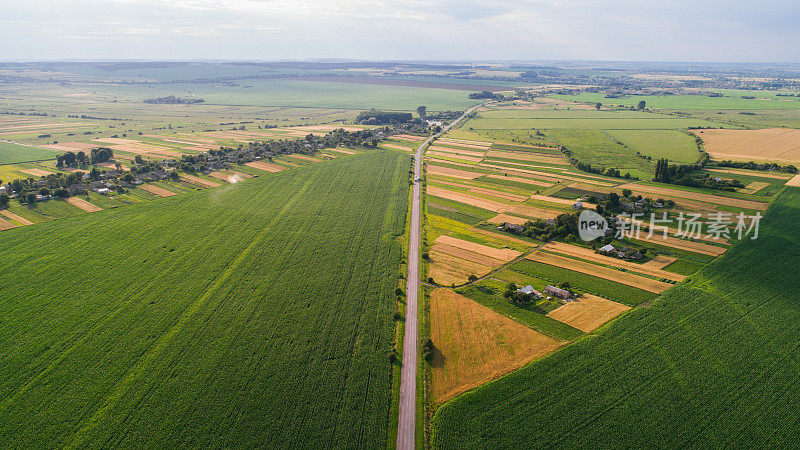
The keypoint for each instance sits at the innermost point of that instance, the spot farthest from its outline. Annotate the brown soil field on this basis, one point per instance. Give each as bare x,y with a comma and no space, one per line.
681,244
753,187
589,255
409,137
304,157
467,255
667,193
503,254
505,218
533,212
83,204
341,150
15,218
660,261
265,166
478,202
754,173
453,173
447,269
6,225
521,156
457,151
474,344
770,144
615,275
522,180
36,172
161,192
588,312
454,156
199,181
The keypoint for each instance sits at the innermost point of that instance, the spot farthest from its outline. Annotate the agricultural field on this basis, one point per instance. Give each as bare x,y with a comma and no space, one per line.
191,338
771,145
14,153
691,369
731,100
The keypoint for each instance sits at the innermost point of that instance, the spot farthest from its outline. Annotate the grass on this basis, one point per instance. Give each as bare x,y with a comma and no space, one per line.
15,153
709,364
227,317
674,145
732,100
598,149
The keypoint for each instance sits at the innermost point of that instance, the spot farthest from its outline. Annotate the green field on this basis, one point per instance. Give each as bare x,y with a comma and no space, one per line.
732,100
711,363
674,145
15,153
259,312
651,123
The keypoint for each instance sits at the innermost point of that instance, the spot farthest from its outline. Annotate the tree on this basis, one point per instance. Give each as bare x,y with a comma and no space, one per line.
4,200
597,106
138,160
627,192
422,111
427,349
31,198
642,104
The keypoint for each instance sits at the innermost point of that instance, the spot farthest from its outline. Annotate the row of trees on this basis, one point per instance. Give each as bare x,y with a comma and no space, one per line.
687,175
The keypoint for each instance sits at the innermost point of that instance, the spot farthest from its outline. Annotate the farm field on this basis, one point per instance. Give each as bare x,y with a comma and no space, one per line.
191,337
693,368
734,100
773,144
674,145
15,153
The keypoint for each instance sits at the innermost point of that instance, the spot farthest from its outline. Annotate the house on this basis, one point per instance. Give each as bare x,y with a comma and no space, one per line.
629,253
529,290
557,292
103,191
511,227
606,249
577,205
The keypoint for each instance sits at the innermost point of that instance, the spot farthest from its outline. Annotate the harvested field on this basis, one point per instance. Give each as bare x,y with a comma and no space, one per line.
397,147
83,204
454,141
667,193
304,157
590,255
660,261
486,191
447,269
753,187
770,144
199,181
521,180
70,146
439,148
503,254
561,201
161,192
525,156
473,344
454,173
265,166
588,312
533,212
468,199
505,218
409,137
15,218
341,150
682,244
455,156
232,176
36,172
614,275
753,173
795,181
6,225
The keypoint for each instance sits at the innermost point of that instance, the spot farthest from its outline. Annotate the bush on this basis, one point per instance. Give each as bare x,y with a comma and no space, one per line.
426,347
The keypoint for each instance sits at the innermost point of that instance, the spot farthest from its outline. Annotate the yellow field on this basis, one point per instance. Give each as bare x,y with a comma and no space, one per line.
474,344
770,144
588,312
589,255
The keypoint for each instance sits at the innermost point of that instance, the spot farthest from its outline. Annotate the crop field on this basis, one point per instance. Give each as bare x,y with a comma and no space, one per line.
674,145
475,344
733,100
771,144
15,153
189,336
692,369
588,312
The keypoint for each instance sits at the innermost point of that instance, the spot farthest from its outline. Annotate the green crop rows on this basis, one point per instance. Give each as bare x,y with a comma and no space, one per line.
711,363
259,312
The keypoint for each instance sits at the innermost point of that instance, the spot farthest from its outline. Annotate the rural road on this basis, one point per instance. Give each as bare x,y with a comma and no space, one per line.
408,375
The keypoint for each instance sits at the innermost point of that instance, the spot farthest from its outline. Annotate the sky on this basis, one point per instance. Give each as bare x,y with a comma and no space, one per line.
467,30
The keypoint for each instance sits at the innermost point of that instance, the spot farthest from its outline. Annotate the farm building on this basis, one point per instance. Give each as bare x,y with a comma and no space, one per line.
577,205
529,290
606,248
557,292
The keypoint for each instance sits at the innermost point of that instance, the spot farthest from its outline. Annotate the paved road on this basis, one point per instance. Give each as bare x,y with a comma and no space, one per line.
408,375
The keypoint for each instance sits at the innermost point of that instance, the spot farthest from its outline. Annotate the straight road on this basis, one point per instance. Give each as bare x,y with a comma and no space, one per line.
408,375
